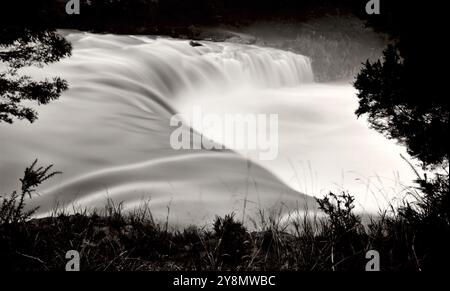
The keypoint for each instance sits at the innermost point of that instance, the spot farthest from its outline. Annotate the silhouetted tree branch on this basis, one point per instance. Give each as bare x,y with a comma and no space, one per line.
386,92
25,44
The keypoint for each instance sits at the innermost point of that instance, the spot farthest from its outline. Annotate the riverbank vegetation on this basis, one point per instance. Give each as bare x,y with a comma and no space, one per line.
414,237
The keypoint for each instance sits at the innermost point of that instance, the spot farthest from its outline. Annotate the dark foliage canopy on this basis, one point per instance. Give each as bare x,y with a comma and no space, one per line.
388,96
25,40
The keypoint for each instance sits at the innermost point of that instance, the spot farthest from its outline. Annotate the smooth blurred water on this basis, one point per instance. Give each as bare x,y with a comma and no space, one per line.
109,133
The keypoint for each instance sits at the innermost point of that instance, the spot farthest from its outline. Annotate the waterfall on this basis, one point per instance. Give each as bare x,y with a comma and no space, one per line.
170,67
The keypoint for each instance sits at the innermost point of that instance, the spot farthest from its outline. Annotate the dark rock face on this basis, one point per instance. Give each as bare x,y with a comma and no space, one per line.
194,43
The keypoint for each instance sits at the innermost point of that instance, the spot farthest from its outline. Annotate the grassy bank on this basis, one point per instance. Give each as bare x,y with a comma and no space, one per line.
408,239
112,241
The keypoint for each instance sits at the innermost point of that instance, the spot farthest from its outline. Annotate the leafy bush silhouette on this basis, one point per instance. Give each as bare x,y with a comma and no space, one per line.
26,39
343,231
232,239
13,205
429,218
387,96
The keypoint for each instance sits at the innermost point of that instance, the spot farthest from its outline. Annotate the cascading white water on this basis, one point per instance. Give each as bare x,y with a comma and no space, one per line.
109,133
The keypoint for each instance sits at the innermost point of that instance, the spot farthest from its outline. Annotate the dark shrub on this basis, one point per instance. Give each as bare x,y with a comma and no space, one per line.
232,240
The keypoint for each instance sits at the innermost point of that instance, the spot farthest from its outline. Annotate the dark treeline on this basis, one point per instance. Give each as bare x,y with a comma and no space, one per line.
416,25
131,16
128,15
